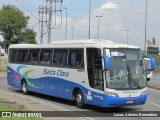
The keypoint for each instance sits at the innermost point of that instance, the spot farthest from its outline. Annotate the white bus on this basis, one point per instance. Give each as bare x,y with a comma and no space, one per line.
100,73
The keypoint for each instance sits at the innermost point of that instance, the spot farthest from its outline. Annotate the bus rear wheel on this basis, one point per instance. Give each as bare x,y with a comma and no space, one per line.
79,99
24,87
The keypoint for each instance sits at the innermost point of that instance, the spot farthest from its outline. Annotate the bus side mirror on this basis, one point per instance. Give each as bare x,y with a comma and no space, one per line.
106,62
151,64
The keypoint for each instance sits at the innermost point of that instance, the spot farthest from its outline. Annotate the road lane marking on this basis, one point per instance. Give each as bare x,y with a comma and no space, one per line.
153,103
49,104
3,75
153,89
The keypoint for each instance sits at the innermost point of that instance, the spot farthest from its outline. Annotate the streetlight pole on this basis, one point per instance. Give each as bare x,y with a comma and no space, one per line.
72,31
89,31
145,27
98,25
127,35
66,24
50,22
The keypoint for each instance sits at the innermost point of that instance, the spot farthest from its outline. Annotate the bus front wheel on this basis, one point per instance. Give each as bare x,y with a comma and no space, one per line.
79,99
24,88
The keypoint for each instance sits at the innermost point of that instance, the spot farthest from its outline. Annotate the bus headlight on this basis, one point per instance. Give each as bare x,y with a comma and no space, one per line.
144,93
111,94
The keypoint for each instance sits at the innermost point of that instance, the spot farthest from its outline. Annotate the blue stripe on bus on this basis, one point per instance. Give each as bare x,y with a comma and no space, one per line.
63,89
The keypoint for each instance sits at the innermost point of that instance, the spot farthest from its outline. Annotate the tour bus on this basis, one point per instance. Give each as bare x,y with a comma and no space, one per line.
95,72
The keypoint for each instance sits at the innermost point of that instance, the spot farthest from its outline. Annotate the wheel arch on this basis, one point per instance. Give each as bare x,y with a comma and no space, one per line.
75,90
23,79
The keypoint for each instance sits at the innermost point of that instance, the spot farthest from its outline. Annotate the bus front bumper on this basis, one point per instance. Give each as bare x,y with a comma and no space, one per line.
110,101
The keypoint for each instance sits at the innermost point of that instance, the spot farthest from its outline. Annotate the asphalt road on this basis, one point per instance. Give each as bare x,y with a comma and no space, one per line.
152,104
155,80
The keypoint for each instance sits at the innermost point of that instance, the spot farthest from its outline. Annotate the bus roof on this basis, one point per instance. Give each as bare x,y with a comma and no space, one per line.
75,44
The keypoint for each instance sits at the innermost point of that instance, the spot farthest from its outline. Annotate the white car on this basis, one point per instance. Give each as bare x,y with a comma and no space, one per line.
148,65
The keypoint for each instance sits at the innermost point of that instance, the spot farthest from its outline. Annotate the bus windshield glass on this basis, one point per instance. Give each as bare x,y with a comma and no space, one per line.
126,70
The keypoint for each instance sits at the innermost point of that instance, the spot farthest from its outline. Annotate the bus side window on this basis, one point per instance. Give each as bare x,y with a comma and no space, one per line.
22,56
61,58
76,59
45,57
57,58
73,59
33,56
64,58
13,55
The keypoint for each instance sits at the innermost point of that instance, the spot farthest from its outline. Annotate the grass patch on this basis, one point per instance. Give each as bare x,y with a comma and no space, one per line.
20,118
4,106
3,70
2,100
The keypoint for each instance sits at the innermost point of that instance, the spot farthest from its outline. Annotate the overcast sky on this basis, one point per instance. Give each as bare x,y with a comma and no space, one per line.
117,16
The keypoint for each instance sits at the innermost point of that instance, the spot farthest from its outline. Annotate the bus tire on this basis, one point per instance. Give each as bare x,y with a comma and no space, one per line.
24,87
79,99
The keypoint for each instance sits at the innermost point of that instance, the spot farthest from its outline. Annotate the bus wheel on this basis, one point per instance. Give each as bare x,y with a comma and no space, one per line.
24,88
79,99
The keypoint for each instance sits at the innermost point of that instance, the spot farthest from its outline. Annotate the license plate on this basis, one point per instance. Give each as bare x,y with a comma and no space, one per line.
130,102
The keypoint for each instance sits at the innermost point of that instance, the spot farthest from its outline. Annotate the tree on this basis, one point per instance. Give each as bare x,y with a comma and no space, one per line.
13,27
29,36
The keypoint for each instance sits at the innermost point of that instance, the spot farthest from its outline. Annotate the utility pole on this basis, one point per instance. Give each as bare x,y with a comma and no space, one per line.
41,20
52,9
50,22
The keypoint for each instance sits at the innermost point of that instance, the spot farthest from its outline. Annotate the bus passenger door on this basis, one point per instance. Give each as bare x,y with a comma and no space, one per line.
95,75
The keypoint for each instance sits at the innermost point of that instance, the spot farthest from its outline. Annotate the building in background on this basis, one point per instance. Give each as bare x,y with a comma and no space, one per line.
152,47
3,58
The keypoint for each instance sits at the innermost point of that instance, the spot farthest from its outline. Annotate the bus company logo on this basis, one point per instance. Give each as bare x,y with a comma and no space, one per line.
6,114
53,72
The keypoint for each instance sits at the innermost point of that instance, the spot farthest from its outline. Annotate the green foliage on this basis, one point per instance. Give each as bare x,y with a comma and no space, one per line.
13,26
2,100
29,36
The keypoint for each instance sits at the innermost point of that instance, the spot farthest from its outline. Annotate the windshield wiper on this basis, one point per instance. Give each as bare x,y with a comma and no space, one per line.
130,78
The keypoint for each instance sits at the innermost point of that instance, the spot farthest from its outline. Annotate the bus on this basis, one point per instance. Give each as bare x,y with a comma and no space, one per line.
100,73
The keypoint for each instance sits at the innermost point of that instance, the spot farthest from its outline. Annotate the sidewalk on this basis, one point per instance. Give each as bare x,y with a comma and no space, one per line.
157,87
34,105
3,73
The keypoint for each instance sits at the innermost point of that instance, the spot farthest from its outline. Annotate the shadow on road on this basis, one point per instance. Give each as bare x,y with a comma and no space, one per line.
88,108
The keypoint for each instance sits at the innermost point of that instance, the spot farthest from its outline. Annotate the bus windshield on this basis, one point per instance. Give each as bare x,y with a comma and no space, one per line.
126,70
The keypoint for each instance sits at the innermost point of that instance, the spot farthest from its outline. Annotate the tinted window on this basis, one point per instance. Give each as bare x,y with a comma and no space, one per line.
33,56
22,56
45,57
76,58
13,55
60,57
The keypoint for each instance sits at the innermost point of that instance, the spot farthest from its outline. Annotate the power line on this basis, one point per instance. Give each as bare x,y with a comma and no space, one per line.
50,10
36,23
42,2
22,5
